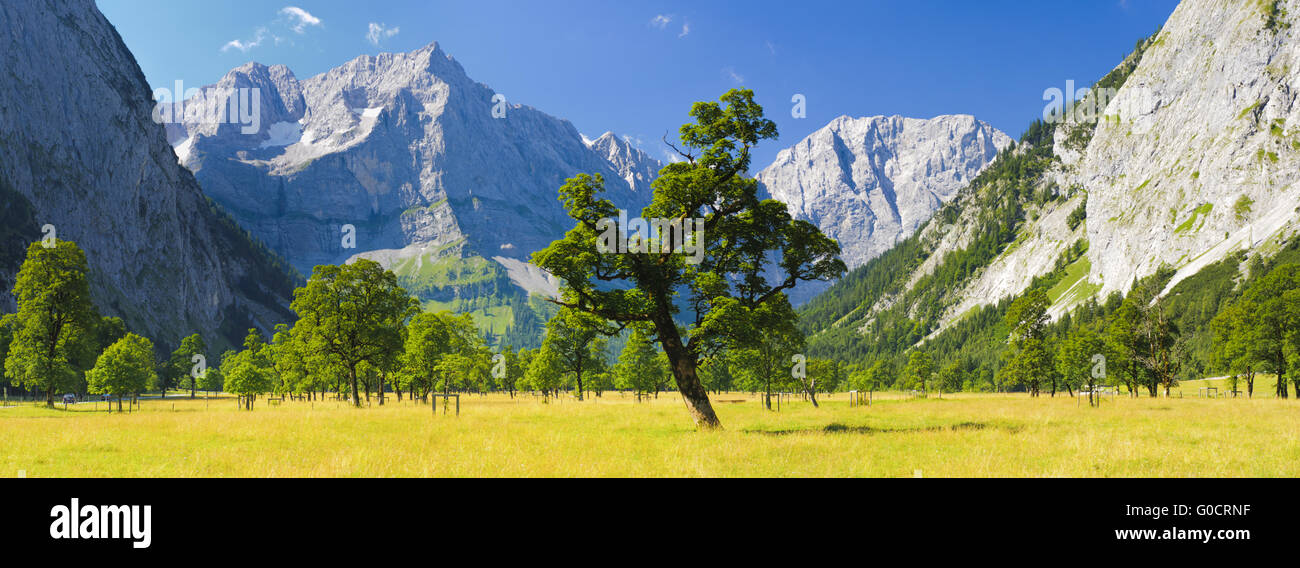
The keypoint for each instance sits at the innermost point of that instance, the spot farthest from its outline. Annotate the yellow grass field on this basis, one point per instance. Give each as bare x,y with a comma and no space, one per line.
964,435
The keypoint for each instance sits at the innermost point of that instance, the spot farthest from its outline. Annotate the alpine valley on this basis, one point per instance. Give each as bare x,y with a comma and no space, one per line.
1181,180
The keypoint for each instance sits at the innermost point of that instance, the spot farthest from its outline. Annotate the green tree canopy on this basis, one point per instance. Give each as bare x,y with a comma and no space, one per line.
181,364
1075,360
352,314
55,316
919,369
640,367
125,368
1028,366
725,274
249,372
543,372
577,339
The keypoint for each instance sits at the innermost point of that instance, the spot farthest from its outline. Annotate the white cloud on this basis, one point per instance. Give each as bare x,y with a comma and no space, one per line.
733,75
662,20
292,17
301,18
245,45
379,32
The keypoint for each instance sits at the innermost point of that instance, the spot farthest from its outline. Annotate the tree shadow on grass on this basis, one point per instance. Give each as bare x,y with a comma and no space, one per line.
837,428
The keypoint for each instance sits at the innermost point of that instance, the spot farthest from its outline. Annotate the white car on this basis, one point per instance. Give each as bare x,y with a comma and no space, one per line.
69,399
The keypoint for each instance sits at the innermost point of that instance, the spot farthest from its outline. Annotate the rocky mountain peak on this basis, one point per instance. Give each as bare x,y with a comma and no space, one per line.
872,181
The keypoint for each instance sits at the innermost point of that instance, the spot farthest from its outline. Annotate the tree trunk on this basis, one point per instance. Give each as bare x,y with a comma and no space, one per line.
352,375
684,365
767,394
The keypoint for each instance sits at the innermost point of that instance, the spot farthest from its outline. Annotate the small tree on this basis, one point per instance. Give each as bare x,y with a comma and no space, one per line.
951,377
764,342
1030,360
1234,345
428,339
212,380
1028,366
249,372
1074,360
514,369
639,366
125,368
823,375
543,373
181,363
1122,346
1162,351
879,374
288,362
577,340
716,372
919,369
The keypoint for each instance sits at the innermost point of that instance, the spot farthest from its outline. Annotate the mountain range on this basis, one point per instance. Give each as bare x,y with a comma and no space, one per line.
453,188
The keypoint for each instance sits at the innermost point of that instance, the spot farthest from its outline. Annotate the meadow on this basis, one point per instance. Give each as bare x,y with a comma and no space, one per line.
962,435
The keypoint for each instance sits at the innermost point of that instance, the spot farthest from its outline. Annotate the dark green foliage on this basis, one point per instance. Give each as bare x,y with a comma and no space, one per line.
1078,215
1275,17
997,192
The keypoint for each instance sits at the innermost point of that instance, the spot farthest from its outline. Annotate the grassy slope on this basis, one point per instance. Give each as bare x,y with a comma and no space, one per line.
477,286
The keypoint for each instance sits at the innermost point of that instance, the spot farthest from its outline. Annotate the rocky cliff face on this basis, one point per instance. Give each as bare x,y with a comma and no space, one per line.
870,182
79,146
1197,156
420,159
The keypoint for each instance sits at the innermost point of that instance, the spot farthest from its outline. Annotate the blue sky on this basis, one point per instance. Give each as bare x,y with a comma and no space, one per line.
636,67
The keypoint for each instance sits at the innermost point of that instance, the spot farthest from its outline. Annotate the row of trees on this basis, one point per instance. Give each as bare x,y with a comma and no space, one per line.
57,342
357,331
1260,331
1140,345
